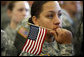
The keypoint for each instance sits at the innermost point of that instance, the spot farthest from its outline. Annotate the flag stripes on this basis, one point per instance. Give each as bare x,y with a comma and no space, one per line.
35,47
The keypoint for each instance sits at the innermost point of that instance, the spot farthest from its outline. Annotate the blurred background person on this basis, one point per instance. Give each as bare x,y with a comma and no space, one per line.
75,10
67,21
17,11
4,18
72,7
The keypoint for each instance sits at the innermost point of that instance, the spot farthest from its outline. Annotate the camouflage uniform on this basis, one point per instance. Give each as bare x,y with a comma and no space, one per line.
76,27
3,42
78,38
52,49
11,33
9,38
10,49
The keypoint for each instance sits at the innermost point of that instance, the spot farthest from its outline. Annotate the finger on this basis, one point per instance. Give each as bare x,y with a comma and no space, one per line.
52,32
59,31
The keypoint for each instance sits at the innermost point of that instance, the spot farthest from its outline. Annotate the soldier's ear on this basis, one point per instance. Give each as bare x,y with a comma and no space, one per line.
9,13
35,21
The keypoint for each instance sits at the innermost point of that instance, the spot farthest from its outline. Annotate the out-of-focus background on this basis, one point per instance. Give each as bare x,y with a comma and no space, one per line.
72,20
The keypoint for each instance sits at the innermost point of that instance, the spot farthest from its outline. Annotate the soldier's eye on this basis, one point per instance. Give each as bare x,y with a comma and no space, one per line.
59,15
50,16
26,9
20,9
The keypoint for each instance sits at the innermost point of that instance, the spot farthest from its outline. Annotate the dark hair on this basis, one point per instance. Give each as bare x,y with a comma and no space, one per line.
11,5
36,9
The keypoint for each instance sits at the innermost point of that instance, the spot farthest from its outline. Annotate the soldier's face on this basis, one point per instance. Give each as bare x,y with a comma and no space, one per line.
20,11
50,17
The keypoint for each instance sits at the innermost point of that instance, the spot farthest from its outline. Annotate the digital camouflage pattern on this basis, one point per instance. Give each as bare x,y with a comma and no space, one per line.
52,48
9,49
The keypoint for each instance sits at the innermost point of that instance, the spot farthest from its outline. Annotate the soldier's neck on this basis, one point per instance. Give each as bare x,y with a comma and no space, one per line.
13,25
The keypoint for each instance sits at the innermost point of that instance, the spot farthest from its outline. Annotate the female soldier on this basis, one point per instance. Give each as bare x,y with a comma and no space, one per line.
58,40
17,11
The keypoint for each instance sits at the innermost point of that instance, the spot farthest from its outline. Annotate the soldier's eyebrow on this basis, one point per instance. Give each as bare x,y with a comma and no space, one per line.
55,12
51,11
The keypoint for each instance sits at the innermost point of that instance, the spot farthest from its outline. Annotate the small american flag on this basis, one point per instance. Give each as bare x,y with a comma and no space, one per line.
35,40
